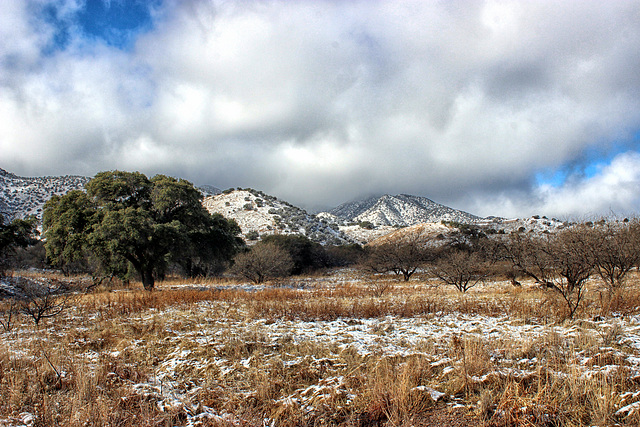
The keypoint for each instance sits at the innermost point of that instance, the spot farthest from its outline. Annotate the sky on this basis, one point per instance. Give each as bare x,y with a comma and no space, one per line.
506,108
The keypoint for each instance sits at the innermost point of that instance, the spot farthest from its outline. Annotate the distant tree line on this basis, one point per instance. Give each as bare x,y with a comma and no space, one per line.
560,262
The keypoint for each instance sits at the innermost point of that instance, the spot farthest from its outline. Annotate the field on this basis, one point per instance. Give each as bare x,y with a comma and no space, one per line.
334,349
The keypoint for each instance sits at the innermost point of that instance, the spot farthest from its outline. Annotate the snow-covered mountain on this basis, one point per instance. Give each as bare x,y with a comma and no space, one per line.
401,210
260,214
534,224
21,197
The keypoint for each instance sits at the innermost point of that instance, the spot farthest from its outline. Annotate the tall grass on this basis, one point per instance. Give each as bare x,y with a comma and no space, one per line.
134,358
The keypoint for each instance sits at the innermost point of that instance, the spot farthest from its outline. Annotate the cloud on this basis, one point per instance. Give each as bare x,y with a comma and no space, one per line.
613,190
320,102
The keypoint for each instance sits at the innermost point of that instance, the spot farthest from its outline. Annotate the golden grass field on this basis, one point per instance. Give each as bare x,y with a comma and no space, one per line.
336,349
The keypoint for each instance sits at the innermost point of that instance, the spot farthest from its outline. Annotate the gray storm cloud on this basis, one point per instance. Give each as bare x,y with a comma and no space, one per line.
323,102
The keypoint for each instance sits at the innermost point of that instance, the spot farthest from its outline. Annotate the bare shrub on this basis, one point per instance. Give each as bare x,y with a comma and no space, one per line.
41,299
264,261
616,250
8,310
379,286
562,262
402,256
460,269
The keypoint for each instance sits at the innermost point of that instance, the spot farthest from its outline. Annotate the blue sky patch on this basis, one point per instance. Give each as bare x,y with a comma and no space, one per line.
115,23
589,164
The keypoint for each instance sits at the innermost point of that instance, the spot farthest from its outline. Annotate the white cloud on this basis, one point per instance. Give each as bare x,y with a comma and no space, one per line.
321,102
613,190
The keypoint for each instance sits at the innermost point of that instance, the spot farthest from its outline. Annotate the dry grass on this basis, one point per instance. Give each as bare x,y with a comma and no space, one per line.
214,355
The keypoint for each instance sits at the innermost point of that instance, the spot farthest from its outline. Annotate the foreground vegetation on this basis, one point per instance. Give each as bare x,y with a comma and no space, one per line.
482,327
325,350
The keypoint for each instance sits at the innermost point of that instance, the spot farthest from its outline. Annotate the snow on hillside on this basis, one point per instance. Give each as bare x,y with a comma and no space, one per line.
401,210
363,235
435,232
535,224
426,232
256,212
21,197
348,211
260,214
209,190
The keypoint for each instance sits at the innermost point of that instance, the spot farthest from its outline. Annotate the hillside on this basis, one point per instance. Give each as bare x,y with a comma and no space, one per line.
21,197
401,210
259,214
435,233
424,233
209,190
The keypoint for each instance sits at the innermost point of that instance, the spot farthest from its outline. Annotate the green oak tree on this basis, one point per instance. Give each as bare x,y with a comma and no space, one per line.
17,233
67,219
127,219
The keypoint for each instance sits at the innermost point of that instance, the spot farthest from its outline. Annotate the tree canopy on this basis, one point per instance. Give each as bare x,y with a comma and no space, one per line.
125,219
17,233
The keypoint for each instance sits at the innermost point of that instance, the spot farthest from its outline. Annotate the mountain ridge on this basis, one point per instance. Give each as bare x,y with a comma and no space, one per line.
400,210
21,197
260,214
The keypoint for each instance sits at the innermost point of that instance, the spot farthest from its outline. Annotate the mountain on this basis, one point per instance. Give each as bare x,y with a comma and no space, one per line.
21,197
348,211
400,211
260,214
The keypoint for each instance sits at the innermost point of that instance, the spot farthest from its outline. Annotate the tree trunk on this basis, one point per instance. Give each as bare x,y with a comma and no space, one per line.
147,279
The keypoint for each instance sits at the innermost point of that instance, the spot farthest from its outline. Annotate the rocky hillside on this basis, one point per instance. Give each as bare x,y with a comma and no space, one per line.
534,224
400,211
21,197
427,233
437,233
259,214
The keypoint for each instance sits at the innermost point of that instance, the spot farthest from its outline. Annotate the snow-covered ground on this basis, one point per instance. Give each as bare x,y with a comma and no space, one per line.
223,342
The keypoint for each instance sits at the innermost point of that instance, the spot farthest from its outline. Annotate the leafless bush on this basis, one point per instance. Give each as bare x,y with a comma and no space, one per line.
379,287
401,256
561,262
8,310
41,299
616,250
461,269
264,261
